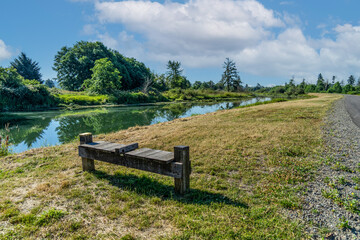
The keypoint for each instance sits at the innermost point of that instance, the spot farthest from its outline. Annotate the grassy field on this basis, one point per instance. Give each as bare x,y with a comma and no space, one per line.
247,164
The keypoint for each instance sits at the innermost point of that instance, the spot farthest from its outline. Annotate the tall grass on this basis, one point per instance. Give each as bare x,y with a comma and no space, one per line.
83,99
4,146
195,95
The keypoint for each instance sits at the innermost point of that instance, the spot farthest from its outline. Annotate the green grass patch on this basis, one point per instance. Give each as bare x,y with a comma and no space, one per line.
246,167
202,95
82,99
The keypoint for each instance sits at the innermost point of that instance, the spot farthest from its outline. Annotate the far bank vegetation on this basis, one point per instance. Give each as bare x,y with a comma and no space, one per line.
89,73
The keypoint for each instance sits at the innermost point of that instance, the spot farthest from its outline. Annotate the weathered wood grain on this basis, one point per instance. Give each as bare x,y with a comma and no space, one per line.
182,155
127,148
171,169
176,165
85,138
155,155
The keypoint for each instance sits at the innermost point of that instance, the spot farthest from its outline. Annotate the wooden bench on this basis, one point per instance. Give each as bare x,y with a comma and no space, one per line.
176,165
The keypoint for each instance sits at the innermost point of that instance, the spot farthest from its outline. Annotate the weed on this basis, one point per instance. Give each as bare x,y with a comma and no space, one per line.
327,180
351,205
341,180
356,180
49,216
337,166
331,194
343,224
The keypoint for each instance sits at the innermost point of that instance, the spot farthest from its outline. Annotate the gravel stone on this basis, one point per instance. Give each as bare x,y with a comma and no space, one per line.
323,216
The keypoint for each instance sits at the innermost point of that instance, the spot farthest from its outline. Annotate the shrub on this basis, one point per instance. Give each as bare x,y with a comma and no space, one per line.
83,99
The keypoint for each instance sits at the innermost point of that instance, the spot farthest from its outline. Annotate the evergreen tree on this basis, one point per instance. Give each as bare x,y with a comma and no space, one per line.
320,85
302,84
351,80
230,75
27,68
333,80
174,77
50,83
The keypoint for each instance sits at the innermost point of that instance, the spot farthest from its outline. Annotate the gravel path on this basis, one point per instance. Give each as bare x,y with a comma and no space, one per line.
332,200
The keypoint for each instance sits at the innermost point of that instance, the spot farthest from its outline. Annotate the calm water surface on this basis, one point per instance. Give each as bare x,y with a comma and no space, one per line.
29,130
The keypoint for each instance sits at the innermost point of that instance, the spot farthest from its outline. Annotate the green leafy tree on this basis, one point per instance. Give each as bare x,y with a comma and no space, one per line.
336,88
27,68
160,82
310,88
351,80
105,78
174,77
10,78
348,88
211,85
197,85
16,93
74,64
230,75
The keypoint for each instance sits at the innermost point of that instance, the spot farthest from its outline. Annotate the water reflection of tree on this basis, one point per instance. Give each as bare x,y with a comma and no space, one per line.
70,127
31,127
173,111
23,129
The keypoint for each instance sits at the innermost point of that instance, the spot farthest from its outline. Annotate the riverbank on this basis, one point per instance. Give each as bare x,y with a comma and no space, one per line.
246,165
69,100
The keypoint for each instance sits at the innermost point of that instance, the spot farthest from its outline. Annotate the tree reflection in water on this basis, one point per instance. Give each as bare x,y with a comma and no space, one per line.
31,129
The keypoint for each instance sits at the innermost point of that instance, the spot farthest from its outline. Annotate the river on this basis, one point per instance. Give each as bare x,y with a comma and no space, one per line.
27,130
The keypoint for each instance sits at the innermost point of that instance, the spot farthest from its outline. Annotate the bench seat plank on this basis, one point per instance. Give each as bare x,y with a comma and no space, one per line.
162,156
103,146
151,154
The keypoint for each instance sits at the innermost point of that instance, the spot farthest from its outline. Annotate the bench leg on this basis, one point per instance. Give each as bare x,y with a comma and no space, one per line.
182,155
88,164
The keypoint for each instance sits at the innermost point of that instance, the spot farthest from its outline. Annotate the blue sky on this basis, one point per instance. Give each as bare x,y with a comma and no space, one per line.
270,41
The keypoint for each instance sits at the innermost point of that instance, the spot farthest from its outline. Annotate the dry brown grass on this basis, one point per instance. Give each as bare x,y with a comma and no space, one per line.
246,163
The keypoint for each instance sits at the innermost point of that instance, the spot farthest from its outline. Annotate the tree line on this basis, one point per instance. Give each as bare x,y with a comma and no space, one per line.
93,68
351,86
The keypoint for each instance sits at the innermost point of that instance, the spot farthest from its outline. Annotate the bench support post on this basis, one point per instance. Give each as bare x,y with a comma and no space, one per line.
182,155
87,164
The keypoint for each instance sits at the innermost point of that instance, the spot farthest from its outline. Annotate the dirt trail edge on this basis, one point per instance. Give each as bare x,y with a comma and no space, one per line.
332,200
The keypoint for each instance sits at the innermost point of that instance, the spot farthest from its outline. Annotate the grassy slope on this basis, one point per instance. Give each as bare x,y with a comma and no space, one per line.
245,163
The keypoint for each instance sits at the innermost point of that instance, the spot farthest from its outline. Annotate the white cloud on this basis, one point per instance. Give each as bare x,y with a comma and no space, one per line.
89,29
4,51
202,33
196,29
294,54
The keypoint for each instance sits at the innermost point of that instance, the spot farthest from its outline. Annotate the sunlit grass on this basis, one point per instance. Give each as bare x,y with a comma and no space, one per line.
83,99
246,165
